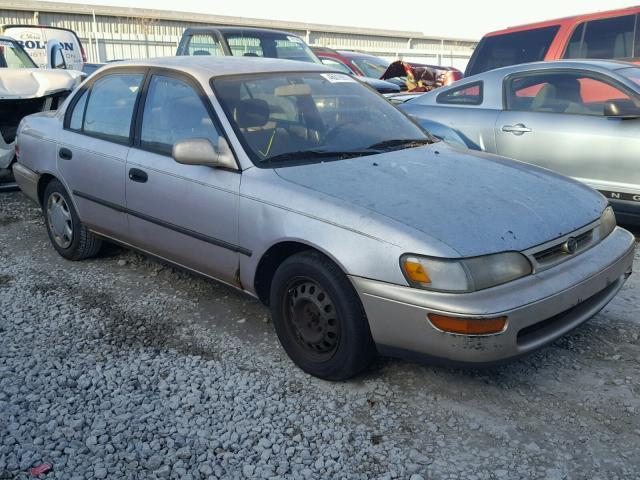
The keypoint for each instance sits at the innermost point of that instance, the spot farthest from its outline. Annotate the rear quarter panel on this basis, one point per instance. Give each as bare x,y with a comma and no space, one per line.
474,125
36,135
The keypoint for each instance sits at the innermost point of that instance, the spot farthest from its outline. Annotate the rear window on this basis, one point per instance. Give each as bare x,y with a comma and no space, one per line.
270,45
372,67
511,49
204,45
604,38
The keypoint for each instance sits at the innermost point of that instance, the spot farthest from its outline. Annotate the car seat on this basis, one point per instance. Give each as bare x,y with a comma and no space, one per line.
265,138
558,96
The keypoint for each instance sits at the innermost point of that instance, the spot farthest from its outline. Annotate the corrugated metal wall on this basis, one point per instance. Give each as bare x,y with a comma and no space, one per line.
113,37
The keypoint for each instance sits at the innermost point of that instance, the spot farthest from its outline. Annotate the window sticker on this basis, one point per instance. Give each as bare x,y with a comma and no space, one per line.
337,77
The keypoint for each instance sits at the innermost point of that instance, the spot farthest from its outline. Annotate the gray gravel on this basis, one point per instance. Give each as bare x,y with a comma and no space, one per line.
120,367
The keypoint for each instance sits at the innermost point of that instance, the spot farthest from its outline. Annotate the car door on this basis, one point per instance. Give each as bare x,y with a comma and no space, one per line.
93,146
185,213
556,119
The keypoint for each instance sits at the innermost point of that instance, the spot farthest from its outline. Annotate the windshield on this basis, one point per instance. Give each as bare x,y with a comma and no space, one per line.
272,45
511,49
12,56
304,116
371,66
632,73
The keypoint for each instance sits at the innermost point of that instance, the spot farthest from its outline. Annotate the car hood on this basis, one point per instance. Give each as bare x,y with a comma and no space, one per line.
475,203
22,83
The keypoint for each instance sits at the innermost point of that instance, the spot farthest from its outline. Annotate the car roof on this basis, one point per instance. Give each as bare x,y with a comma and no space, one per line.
352,53
570,19
578,64
316,49
206,67
230,29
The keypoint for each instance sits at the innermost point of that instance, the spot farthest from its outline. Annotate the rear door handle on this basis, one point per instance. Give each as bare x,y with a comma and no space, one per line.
65,154
517,129
137,175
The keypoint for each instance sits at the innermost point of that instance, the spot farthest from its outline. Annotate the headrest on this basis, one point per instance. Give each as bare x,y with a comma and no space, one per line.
251,113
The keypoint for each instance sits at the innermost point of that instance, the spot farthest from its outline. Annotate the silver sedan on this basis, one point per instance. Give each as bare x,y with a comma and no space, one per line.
579,118
307,190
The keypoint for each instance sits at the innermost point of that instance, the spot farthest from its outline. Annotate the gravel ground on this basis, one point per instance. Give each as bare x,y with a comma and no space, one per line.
120,367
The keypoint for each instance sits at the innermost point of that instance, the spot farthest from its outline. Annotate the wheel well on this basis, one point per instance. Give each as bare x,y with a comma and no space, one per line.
270,262
42,185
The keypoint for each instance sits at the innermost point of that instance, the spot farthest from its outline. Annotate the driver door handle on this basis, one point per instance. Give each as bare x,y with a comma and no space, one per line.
517,129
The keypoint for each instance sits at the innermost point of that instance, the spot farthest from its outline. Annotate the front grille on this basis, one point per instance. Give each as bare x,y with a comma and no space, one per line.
557,252
554,252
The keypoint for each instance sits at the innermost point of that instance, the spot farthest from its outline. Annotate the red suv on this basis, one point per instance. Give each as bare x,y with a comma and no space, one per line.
609,35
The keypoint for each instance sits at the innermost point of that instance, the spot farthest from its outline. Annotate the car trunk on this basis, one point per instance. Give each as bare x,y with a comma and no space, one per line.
12,111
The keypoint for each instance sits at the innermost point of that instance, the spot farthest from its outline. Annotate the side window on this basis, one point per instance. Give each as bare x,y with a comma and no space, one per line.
173,111
204,45
77,116
470,94
559,92
110,106
605,38
330,62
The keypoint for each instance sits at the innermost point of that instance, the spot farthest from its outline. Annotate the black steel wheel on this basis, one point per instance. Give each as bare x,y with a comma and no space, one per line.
311,318
319,318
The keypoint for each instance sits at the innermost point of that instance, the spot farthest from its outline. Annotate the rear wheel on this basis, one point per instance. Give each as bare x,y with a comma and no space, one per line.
319,318
68,235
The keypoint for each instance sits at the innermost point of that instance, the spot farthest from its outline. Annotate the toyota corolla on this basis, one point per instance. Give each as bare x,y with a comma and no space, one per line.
307,190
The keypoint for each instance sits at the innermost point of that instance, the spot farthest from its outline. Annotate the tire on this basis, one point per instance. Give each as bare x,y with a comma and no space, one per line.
319,318
68,235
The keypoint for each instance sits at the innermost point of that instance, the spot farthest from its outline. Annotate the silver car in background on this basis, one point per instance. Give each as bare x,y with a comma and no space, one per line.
580,118
311,192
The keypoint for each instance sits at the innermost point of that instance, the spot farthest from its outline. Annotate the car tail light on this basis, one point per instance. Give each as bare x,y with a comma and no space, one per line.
450,77
468,326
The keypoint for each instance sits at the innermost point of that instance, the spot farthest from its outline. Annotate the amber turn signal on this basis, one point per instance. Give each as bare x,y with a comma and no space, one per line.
468,326
416,272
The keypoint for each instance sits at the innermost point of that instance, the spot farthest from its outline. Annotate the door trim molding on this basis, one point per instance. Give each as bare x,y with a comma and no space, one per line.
176,228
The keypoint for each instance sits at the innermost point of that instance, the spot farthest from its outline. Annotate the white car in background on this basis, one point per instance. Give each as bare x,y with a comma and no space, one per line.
36,39
27,89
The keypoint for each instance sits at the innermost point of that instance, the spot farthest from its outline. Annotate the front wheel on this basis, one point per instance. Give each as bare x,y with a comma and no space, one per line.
319,318
68,235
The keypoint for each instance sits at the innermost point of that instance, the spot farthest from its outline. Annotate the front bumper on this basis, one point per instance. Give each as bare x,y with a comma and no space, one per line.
540,307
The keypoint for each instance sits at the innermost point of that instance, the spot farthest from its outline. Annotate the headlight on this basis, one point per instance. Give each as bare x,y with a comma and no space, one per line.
607,222
464,275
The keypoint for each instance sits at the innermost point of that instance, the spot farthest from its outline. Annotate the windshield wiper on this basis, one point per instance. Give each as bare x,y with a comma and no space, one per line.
400,142
319,154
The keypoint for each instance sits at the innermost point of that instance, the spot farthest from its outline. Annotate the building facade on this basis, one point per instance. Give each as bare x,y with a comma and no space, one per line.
115,33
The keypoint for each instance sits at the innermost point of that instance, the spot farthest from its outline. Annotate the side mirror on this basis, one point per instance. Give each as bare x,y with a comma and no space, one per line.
200,151
624,109
55,55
